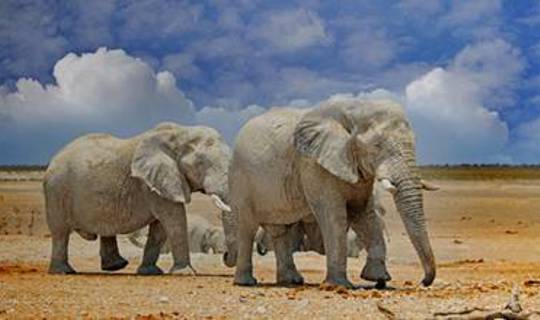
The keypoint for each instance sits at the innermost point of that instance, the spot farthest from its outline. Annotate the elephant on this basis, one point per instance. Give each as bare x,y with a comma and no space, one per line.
313,241
101,185
203,237
263,242
292,164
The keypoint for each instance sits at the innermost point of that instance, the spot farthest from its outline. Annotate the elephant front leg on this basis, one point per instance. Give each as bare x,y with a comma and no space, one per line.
331,215
155,240
111,260
283,242
173,219
369,228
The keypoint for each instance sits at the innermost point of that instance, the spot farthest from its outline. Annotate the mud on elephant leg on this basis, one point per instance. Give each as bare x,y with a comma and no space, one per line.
111,260
156,239
284,246
59,258
369,227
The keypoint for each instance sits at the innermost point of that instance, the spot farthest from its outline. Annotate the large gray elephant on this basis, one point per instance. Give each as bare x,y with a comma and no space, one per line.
289,164
203,237
100,185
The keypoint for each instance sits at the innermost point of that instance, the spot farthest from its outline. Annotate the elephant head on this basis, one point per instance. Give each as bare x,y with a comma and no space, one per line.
359,140
174,160
214,240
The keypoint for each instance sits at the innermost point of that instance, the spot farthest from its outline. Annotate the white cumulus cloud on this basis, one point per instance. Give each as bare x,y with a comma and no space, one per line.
455,109
106,85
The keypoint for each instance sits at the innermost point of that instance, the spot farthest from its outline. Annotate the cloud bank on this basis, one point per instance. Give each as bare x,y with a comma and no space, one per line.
455,109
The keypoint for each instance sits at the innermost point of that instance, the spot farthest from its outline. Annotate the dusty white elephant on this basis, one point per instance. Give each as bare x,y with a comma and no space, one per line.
100,185
203,237
289,165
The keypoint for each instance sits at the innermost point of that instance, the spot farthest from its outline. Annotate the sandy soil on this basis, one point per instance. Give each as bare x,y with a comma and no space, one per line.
485,236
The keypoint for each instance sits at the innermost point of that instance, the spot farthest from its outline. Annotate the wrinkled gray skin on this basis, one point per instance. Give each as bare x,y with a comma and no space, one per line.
289,165
203,237
103,185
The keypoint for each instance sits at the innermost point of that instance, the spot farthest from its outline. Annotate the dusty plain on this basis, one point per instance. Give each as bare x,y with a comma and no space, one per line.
485,235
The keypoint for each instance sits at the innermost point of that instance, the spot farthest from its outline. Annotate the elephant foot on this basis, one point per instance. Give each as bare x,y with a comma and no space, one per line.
290,278
182,270
380,285
61,268
261,250
245,279
113,264
375,270
149,270
337,282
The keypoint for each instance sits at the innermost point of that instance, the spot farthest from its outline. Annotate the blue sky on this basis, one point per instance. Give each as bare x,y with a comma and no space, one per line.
468,72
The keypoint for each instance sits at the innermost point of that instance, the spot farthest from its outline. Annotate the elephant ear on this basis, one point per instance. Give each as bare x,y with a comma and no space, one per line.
154,164
329,143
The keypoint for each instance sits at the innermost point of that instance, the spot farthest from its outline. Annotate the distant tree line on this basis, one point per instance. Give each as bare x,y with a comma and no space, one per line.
23,167
479,165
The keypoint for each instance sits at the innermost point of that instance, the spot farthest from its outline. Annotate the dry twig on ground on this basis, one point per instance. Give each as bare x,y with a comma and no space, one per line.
512,311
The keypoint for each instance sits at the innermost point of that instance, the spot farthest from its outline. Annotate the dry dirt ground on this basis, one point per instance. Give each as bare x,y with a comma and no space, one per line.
485,237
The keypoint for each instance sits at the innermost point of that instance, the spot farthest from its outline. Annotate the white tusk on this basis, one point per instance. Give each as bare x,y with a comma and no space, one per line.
388,186
429,186
220,204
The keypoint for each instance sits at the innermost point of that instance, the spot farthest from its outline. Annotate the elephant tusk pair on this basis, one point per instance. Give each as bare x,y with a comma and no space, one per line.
219,203
390,187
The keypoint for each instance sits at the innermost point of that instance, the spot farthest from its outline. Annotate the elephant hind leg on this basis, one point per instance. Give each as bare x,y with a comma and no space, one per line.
283,242
111,260
246,235
59,258
154,242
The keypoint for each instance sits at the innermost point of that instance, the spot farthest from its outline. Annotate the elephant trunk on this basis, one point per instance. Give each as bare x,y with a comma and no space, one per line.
216,185
409,203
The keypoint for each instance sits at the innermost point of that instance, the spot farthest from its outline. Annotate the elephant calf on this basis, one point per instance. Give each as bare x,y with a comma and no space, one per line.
263,242
203,237
100,185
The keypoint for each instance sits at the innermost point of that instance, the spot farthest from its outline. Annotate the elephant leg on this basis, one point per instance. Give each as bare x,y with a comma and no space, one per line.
155,240
59,257
247,229
173,219
283,242
369,229
111,260
331,214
